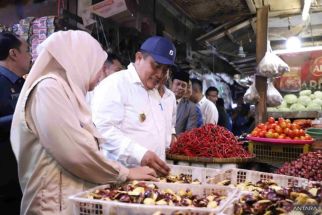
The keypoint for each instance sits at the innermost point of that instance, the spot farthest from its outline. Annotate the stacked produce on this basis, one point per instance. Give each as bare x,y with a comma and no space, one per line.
150,194
272,199
280,129
180,179
306,101
309,166
211,141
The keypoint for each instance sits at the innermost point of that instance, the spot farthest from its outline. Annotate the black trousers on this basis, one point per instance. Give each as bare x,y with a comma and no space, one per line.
10,191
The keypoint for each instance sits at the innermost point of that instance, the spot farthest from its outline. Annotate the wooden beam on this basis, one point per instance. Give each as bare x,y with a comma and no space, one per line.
246,65
244,60
218,29
261,47
231,30
251,6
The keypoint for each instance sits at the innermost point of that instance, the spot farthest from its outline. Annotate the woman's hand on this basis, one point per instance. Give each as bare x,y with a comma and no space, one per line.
142,173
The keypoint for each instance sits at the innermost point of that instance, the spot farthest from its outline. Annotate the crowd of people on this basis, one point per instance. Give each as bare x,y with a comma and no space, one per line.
81,118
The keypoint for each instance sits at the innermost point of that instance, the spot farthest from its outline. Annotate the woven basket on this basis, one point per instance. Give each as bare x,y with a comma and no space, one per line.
208,160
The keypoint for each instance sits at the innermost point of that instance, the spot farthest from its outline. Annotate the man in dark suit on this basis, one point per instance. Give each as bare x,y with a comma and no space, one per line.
186,110
14,63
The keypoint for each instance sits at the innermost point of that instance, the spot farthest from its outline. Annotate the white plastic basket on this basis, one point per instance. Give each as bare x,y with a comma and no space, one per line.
237,176
85,206
199,173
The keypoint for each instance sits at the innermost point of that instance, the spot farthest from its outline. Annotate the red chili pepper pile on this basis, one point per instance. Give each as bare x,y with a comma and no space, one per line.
209,141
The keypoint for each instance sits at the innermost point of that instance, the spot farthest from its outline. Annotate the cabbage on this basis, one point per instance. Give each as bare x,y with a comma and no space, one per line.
304,100
312,96
283,109
305,92
313,106
271,109
317,101
284,104
290,98
297,107
318,94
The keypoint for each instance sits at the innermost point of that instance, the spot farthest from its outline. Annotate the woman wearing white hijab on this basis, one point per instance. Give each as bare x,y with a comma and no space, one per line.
52,135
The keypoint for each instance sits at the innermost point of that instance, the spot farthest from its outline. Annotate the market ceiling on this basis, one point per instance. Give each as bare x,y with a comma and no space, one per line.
228,28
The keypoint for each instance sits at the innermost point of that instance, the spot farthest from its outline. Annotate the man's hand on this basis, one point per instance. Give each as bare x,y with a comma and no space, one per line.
173,139
152,160
142,173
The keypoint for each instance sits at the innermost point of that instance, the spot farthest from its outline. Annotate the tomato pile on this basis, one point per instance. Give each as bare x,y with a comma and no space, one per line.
280,129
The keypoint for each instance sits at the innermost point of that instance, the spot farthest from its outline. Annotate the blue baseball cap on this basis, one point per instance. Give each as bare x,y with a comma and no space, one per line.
161,49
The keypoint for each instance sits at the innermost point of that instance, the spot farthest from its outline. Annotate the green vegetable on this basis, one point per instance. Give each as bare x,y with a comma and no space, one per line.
304,100
317,101
305,92
318,94
290,98
271,109
297,107
283,109
313,106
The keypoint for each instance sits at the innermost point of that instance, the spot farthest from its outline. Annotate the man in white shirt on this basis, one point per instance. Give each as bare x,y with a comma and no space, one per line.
208,108
126,112
111,65
167,102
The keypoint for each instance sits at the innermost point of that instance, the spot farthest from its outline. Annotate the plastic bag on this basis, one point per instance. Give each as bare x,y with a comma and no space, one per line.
272,66
274,98
251,96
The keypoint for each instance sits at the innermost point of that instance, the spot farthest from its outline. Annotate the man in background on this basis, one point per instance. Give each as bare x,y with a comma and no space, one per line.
187,117
208,109
15,61
212,94
111,65
187,96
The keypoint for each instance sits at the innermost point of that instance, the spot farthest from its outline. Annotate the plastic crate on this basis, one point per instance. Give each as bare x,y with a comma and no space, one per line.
85,206
237,176
276,153
200,173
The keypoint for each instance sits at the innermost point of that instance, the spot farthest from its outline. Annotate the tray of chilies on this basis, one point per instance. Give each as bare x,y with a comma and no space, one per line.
148,198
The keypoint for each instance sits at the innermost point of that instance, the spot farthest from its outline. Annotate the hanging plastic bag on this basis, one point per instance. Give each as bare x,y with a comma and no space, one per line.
251,96
274,98
272,66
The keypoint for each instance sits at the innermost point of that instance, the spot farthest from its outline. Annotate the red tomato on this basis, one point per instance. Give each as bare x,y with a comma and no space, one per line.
271,130
291,134
271,120
308,138
262,133
295,126
281,136
260,125
269,134
275,135
288,125
296,138
302,137
278,129
286,131
301,132
280,120
288,121
283,124
254,133
296,132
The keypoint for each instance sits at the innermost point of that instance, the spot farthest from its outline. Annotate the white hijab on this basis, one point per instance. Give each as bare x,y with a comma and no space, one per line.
81,57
